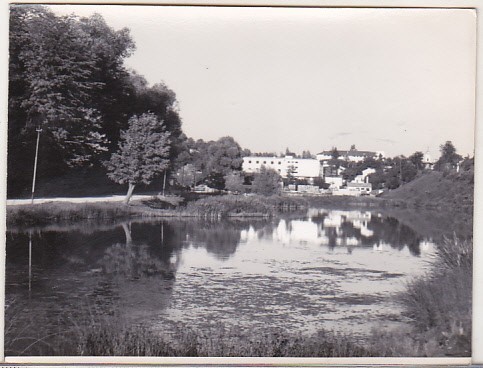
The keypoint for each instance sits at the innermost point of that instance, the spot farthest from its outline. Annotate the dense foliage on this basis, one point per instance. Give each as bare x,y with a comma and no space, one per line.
266,182
143,152
67,76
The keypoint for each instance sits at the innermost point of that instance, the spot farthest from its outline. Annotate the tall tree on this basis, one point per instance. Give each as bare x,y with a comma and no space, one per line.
234,182
223,156
143,153
266,182
67,76
417,160
449,158
334,154
188,176
335,160
307,154
60,69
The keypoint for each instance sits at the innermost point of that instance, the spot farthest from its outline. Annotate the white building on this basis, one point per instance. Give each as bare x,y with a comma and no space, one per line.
334,182
363,188
353,189
428,162
364,177
297,167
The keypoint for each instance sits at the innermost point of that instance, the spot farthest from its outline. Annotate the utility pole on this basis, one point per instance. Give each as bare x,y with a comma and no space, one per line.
38,130
164,182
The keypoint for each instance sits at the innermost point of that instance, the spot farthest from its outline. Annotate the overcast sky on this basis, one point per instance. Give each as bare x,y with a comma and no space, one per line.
309,79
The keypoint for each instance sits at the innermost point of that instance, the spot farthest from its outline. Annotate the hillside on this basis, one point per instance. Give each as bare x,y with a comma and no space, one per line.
449,191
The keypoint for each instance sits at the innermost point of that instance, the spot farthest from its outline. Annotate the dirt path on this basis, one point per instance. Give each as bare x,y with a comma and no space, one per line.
116,198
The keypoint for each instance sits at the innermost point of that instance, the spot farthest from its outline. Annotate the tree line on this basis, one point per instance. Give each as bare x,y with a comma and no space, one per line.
67,77
392,172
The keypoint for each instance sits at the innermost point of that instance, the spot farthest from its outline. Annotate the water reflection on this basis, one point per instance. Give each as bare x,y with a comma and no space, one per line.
134,261
289,271
343,229
148,249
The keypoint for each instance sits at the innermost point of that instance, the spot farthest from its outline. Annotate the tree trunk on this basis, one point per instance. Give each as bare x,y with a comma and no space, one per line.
129,193
127,232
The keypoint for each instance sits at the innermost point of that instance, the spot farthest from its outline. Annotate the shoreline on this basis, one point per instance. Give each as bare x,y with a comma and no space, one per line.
212,207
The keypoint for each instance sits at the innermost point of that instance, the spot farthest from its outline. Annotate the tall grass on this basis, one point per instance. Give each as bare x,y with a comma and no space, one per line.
140,341
234,205
440,302
115,339
94,330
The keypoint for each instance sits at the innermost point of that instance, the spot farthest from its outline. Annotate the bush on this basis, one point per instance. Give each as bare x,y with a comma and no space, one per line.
266,182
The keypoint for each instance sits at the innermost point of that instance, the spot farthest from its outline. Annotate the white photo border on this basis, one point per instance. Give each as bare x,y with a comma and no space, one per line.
477,334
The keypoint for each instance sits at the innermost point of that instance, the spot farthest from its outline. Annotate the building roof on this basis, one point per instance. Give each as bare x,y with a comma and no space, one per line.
350,153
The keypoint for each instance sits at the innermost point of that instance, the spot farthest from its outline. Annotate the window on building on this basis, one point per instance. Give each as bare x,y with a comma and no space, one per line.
271,162
249,162
279,162
258,162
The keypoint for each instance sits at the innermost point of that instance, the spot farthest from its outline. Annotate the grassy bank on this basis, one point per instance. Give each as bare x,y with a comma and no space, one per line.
439,305
143,342
109,337
436,190
210,206
40,214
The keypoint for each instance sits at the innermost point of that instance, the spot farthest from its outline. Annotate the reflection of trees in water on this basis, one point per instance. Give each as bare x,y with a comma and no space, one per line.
319,218
384,230
266,231
135,261
398,235
219,238
331,233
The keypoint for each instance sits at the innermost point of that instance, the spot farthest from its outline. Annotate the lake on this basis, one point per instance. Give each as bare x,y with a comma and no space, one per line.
330,269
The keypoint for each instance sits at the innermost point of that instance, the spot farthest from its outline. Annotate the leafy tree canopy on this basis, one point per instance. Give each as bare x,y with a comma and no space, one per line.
143,152
234,182
57,69
67,76
266,182
449,158
417,160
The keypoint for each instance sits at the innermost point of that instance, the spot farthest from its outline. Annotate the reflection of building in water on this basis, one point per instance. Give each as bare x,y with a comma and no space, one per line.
427,246
247,235
296,231
358,219
381,246
338,228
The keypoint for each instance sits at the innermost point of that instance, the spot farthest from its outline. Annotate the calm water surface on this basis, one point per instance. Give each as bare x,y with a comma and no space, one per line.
330,269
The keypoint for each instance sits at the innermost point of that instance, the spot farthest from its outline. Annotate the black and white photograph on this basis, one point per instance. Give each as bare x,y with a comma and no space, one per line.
237,181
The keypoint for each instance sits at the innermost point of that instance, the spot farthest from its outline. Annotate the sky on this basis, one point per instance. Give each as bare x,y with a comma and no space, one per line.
390,80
